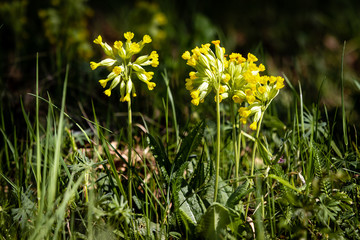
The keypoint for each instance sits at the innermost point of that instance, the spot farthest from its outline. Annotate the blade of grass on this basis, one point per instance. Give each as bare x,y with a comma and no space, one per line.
38,151
5,145
342,99
57,155
171,99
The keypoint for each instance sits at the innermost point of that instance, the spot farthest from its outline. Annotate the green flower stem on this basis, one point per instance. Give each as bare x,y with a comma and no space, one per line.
217,144
253,158
129,153
236,153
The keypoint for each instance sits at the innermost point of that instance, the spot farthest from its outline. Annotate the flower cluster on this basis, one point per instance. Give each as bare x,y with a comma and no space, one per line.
120,61
234,76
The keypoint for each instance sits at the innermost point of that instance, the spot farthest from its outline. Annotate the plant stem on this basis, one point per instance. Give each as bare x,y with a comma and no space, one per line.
236,154
217,144
255,146
253,157
38,150
129,153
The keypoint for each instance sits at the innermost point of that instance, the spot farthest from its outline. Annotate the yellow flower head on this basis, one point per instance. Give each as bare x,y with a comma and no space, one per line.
220,98
98,40
237,99
118,44
195,101
107,92
147,39
128,36
121,61
103,82
135,47
252,58
126,98
216,42
250,99
151,85
153,55
186,55
227,78
191,62
117,70
192,75
261,67
195,94
262,89
93,65
279,83
221,89
253,126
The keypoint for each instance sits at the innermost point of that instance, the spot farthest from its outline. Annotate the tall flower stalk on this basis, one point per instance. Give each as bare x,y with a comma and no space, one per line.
124,62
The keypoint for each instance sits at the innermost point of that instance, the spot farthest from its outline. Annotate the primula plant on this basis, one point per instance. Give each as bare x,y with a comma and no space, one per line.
231,77
124,63
120,61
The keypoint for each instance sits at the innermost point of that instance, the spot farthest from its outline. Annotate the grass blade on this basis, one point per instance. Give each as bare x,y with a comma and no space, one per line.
342,99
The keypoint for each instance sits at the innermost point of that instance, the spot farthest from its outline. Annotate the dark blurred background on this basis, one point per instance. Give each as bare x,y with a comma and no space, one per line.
301,39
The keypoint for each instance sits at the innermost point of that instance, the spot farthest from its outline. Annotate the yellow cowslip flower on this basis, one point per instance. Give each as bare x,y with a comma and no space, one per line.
188,84
93,65
98,40
216,42
262,89
106,63
220,98
107,92
186,55
117,70
147,39
191,62
252,58
235,77
210,71
253,126
128,36
237,99
126,98
103,82
151,85
279,83
122,66
250,99
118,44
134,47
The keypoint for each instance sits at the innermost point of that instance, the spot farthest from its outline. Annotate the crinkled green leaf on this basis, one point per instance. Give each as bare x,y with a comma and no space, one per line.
213,222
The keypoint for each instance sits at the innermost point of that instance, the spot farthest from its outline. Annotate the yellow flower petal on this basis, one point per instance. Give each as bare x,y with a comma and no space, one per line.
93,65
128,36
195,94
252,57
107,92
103,82
216,42
98,40
151,85
250,99
118,44
262,89
117,70
186,55
253,126
147,39
195,101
